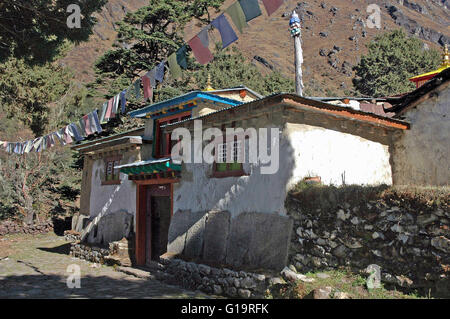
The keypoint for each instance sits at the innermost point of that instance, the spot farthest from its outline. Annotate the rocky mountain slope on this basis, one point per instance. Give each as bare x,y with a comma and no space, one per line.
334,36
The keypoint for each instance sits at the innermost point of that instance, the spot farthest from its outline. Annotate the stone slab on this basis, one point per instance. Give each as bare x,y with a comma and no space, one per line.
217,230
259,240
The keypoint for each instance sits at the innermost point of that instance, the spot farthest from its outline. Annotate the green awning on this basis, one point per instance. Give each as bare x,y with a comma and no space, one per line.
149,167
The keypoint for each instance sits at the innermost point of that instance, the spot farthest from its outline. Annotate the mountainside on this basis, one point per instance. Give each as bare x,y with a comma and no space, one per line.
334,35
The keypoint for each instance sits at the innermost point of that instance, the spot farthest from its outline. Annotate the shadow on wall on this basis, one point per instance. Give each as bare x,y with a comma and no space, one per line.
106,228
246,237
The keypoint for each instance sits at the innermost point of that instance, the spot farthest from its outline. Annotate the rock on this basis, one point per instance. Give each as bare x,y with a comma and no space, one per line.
341,295
217,290
342,215
322,293
340,251
354,220
323,34
397,228
244,293
376,253
377,235
404,281
427,219
289,275
322,275
231,291
374,279
441,243
204,269
248,282
276,281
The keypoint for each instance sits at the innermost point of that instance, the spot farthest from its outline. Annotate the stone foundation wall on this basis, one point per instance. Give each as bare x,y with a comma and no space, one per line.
213,280
89,253
10,227
406,235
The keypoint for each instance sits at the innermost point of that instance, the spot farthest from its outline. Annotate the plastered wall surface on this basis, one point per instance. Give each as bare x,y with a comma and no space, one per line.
338,157
112,198
421,155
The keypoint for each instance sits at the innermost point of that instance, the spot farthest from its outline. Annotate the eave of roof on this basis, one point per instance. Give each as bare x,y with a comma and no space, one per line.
402,103
314,105
180,99
115,142
134,132
237,88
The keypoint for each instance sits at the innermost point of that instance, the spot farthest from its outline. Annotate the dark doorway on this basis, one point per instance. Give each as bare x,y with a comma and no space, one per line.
160,207
157,221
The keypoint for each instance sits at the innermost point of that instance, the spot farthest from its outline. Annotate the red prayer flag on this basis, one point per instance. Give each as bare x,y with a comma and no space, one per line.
201,53
272,5
148,92
87,125
108,114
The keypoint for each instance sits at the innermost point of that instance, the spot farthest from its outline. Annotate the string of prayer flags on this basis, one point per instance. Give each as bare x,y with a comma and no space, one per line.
226,32
237,16
108,114
201,53
251,9
272,5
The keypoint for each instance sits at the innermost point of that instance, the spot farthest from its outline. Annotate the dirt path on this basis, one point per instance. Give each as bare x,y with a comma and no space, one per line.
36,267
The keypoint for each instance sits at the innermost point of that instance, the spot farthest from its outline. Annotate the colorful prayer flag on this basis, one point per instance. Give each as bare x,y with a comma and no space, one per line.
251,9
237,16
148,92
201,53
226,32
175,69
272,5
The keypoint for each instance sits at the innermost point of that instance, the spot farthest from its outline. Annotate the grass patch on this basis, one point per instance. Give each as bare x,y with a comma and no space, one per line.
354,285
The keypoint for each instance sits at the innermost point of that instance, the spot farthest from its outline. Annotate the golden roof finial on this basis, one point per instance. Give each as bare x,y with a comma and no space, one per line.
445,57
208,84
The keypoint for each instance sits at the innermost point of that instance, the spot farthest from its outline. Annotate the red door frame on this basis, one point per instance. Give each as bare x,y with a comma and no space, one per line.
141,204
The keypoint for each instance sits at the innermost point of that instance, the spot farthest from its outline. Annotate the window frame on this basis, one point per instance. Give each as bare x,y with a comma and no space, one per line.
115,177
229,172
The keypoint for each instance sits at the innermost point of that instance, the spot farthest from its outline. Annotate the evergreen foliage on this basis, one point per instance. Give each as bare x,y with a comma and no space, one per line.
392,59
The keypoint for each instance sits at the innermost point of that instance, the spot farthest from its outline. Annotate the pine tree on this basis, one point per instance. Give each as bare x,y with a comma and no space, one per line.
35,29
392,59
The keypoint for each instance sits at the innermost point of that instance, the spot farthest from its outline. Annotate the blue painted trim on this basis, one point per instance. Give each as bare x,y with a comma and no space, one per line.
180,99
174,112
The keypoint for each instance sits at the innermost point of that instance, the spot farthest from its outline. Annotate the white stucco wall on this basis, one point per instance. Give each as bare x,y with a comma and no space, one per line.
421,155
331,154
304,151
197,191
107,199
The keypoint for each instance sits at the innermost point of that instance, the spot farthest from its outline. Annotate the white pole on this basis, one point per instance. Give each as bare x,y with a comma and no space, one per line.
294,25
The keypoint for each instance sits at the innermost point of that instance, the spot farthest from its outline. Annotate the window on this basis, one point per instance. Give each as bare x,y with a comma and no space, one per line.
112,174
234,166
163,145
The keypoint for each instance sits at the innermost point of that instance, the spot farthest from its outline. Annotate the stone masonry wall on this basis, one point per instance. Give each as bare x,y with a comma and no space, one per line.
218,281
406,234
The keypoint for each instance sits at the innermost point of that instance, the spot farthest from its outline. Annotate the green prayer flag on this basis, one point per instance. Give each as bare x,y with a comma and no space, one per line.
237,16
137,89
181,57
175,69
